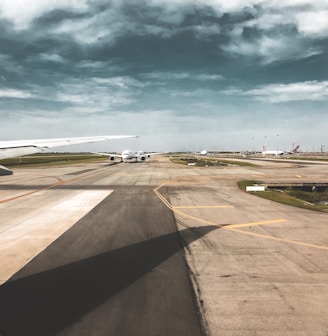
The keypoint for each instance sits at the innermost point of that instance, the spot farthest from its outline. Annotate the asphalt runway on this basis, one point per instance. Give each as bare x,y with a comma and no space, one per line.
159,249
120,270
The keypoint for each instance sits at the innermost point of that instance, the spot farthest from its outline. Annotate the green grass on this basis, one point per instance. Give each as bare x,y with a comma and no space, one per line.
50,159
179,161
292,197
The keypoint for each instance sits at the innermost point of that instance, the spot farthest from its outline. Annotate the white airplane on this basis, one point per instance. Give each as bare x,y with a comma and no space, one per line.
202,152
278,152
16,148
272,152
128,155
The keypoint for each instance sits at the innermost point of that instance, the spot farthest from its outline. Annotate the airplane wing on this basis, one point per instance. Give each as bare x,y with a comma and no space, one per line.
151,154
142,155
9,149
110,155
107,154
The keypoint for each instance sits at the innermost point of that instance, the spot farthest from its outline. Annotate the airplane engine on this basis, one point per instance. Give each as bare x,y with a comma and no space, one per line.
112,158
142,158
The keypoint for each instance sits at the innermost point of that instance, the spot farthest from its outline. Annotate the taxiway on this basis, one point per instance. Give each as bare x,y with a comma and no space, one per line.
159,249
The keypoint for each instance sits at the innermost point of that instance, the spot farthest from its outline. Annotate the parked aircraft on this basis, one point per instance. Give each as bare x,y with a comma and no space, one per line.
129,154
16,148
294,150
203,152
272,152
279,152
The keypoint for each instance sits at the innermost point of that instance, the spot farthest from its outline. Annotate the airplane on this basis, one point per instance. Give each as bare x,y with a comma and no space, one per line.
202,152
279,152
128,155
272,152
294,150
16,148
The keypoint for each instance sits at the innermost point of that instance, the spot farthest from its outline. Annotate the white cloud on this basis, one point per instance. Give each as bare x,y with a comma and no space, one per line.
313,23
222,5
208,77
121,82
310,18
272,48
269,20
12,93
280,93
52,58
194,93
21,13
98,94
284,29
167,75
183,75
90,30
206,30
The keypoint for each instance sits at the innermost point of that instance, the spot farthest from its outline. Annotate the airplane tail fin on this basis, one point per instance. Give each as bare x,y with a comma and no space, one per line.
296,149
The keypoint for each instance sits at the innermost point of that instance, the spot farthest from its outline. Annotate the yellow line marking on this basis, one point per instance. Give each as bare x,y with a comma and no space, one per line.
288,241
233,226
59,182
170,206
204,221
299,176
202,206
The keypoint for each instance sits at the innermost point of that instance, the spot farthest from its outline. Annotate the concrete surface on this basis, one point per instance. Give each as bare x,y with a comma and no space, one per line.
257,267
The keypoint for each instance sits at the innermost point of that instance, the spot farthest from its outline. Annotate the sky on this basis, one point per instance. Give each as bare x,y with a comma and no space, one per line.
183,75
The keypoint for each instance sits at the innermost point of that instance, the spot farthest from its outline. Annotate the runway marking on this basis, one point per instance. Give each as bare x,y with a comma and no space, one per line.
299,176
233,227
203,206
171,207
24,240
59,182
204,221
288,241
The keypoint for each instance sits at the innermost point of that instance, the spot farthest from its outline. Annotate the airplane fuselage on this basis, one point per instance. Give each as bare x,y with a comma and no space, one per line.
129,154
273,152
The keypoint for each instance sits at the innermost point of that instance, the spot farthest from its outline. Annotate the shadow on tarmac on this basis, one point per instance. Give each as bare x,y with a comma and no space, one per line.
46,303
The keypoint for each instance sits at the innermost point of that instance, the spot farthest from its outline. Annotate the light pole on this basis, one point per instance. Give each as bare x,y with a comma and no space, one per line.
277,142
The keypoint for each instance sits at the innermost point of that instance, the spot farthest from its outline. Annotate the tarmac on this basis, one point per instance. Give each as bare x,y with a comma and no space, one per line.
156,248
